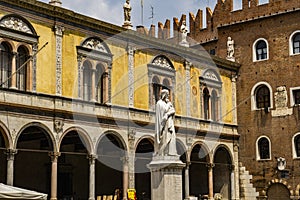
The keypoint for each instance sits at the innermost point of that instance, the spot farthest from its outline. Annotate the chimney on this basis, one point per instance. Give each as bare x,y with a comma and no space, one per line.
55,3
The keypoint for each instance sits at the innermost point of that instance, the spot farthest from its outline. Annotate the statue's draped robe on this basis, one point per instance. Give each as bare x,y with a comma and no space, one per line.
164,128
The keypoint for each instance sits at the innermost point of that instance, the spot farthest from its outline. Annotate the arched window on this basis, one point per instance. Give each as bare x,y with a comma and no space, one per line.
296,43
206,103
261,50
161,74
214,105
94,70
87,81
100,84
5,65
22,66
262,97
263,147
297,145
211,90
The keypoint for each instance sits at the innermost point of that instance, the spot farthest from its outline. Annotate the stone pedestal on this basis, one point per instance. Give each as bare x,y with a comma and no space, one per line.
166,177
127,25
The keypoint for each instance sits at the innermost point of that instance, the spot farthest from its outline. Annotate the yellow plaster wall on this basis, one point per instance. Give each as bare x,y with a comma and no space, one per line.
195,92
227,107
119,76
70,64
180,89
46,66
141,85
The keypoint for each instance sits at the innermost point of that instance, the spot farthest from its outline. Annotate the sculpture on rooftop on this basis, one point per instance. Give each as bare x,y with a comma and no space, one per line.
127,11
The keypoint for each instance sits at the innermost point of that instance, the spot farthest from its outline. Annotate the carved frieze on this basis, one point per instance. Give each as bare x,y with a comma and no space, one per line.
15,24
162,61
95,45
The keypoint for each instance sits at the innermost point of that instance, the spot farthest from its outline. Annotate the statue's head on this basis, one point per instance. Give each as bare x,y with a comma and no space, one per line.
164,93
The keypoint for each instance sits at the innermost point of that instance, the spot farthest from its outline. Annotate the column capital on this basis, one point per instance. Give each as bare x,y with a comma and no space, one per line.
92,158
10,153
210,166
125,159
54,156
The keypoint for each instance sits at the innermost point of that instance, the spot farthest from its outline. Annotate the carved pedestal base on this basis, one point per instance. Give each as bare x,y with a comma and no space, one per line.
127,25
166,177
184,43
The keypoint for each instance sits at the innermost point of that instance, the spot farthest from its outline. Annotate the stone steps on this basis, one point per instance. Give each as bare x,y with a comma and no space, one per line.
247,191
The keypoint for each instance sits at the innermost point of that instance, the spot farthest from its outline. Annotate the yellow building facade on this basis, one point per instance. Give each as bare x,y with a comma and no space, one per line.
78,98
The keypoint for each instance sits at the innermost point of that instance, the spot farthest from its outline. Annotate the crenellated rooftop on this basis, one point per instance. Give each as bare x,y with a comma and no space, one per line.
222,15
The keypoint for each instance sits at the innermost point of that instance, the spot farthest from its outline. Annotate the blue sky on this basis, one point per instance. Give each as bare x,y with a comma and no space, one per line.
112,10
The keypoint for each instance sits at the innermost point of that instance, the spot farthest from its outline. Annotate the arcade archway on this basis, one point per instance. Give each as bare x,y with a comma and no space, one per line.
199,171
222,172
73,167
143,155
32,161
109,165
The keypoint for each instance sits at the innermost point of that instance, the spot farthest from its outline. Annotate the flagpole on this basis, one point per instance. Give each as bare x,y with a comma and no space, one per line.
142,11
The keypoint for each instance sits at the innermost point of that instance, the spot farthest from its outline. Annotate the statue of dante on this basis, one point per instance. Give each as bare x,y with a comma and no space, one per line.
164,126
127,10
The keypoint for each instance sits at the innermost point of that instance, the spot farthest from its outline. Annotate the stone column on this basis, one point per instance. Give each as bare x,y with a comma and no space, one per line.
125,160
10,155
93,94
131,158
58,30
236,171
233,86
130,51
13,72
188,87
54,159
210,167
92,159
231,169
187,181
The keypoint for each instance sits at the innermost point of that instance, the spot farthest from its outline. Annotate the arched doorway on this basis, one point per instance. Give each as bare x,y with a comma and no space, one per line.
3,160
222,172
73,168
109,165
278,191
199,171
32,161
143,156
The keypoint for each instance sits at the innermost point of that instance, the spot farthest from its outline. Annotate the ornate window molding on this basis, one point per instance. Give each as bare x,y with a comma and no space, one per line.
210,93
294,96
294,43
254,97
16,29
161,75
263,148
260,50
296,145
96,52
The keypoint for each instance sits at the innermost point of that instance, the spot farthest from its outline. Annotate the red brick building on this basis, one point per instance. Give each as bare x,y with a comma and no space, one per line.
267,45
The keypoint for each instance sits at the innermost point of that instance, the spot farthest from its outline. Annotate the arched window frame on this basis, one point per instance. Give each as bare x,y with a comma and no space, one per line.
15,29
97,52
162,68
22,82
253,95
211,81
294,146
6,56
254,50
258,156
291,43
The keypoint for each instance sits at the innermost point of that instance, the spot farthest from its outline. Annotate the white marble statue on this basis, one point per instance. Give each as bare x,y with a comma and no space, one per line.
127,11
230,49
183,30
164,126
